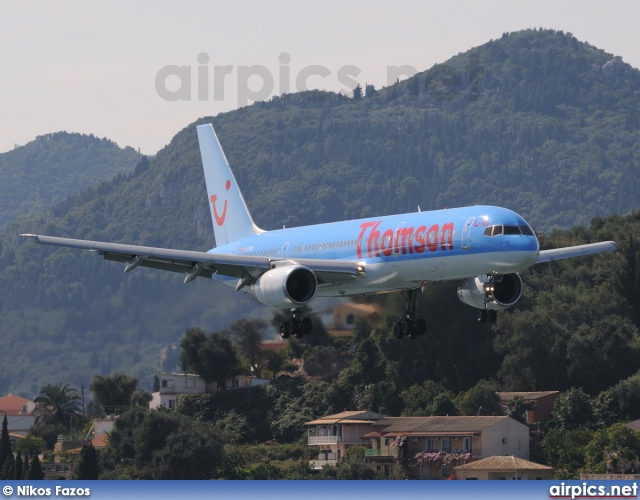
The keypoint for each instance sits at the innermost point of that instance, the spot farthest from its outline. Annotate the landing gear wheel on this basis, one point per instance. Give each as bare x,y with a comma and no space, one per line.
482,316
307,326
493,315
421,326
295,327
284,330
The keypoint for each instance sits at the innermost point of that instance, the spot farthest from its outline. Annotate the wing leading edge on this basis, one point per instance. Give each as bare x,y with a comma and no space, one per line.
201,264
576,251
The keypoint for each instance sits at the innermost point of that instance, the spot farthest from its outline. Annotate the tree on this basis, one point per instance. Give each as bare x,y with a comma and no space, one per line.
141,398
247,336
573,410
19,466
353,465
113,392
564,450
428,398
211,356
357,92
87,467
31,445
57,405
35,469
5,443
518,408
611,448
481,399
274,363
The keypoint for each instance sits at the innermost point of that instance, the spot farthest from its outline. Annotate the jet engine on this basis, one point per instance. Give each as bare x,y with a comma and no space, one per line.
285,286
503,291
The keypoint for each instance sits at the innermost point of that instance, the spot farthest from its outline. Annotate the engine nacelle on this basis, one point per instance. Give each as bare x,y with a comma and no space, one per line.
285,286
507,290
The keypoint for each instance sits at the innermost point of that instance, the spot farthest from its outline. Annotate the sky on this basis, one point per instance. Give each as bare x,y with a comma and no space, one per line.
139,72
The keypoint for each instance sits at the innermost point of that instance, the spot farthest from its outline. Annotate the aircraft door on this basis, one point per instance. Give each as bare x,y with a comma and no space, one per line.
466,233
285,248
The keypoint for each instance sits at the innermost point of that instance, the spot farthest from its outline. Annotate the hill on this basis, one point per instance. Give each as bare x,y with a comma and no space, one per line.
536,121
41,173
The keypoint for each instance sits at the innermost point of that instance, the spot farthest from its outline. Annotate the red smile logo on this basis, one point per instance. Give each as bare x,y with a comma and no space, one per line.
220,218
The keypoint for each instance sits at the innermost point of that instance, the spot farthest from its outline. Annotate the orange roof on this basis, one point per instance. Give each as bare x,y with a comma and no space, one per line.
12,405
101,441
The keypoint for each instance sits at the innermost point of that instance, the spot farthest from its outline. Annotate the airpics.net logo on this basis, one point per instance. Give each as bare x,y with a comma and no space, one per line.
207,81
586,490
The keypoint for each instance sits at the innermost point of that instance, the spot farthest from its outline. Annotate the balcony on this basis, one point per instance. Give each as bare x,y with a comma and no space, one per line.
377,452
316,440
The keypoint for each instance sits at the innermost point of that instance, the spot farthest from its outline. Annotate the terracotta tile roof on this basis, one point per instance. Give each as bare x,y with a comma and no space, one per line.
399,425
502,463
348,417
12,405
101,441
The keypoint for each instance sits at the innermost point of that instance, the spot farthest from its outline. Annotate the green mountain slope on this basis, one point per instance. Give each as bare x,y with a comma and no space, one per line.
536,121
35,176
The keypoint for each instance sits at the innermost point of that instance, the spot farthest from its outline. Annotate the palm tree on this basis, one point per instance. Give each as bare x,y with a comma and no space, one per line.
56,405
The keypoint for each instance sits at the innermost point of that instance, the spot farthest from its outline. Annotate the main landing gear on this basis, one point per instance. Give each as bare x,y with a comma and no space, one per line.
410,326
296,326
486,313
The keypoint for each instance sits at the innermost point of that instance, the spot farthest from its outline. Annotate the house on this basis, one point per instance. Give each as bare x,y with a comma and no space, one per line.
340,319
437,444
501,467
544,404
333,434
15,405
173,385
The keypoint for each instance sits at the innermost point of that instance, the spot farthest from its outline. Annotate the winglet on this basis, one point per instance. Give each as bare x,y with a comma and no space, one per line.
229,213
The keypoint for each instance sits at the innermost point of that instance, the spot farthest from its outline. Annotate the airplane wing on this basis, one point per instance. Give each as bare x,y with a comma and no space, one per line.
576,251
196,264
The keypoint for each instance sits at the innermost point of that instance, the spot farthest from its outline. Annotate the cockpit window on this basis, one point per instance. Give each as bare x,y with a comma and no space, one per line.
499,229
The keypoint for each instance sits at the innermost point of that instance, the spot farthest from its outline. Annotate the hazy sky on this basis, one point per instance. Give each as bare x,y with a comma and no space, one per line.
106,68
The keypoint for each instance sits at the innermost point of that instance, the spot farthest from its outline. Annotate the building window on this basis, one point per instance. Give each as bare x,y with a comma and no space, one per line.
468,446
167,383
172,404
446,444
431,444
190,383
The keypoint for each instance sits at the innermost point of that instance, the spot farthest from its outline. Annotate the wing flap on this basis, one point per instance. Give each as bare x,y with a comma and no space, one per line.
575,251
183,261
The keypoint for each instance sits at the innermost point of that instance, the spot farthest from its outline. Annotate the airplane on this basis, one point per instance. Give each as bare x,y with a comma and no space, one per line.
483,247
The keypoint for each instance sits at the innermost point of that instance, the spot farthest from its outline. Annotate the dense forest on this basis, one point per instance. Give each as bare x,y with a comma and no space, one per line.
535,121
43,172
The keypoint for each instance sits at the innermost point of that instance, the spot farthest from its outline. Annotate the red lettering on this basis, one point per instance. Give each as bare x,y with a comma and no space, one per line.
432,237
364,226
447,229
373,240
387,243
407,240
420,241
